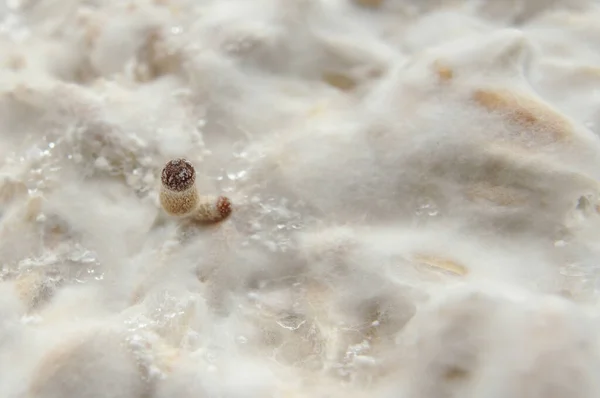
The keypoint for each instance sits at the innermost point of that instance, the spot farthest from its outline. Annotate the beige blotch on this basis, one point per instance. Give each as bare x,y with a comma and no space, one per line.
499,195
444,72
369,3
441,263
339,81
525,111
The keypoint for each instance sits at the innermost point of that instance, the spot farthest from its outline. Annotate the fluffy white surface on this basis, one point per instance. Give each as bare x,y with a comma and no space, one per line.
415,189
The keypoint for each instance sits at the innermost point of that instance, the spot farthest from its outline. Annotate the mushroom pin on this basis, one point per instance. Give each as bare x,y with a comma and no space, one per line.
179,196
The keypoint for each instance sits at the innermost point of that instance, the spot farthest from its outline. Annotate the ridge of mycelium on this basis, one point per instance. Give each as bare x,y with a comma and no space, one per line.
404,201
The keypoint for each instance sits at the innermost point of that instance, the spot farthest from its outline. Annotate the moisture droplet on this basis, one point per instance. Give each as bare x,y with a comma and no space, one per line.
236,175
572,270
291,322
82,255
427,207
241,340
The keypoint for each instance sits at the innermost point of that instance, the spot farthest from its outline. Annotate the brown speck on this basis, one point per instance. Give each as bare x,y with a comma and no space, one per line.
455,373
444,72
17,62
178,175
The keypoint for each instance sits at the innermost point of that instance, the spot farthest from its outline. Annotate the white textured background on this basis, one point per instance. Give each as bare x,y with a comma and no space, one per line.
415,187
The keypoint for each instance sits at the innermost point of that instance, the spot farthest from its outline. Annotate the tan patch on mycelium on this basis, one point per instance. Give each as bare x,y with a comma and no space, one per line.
51,364
440,263
67,364
319,109
339,81
26,285
444,72
589,71
369,3
525,111
11,190
500,195
33,290
455,373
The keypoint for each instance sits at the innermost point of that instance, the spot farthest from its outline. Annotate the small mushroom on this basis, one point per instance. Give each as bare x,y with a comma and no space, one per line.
179,196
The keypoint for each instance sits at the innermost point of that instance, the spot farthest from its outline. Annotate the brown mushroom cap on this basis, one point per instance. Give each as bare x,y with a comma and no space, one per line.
178,175
224,206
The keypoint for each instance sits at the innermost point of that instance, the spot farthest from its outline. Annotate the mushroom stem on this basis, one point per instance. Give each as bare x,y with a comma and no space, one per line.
179,204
